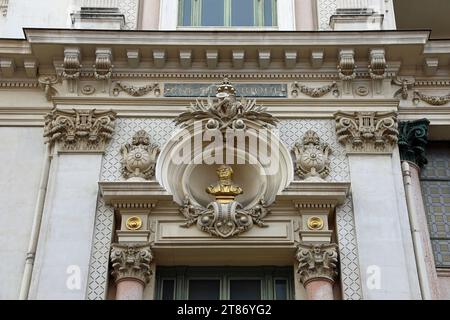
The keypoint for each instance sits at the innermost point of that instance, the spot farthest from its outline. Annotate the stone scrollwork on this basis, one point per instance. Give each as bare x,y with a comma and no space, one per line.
103,64
378,65
433,100
367,132
312,157
47,83
317,261
315,92
136,91
412,141
79,130
139,157
405,85
346,67
131,260
224,217
226,111
72,64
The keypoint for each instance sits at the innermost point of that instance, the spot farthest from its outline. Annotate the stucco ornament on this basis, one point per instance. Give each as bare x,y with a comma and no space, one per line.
367,132
224,217
139,157
317,262
131,260
312,157
79,130
226,111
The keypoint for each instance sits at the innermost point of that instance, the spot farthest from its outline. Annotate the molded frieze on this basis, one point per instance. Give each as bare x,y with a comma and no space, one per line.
412,141
367,132
317,261
79,130
131,260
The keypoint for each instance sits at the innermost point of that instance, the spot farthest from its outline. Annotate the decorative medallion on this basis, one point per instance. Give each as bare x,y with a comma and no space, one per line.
312,157
315,223
224,217
139,157
134,223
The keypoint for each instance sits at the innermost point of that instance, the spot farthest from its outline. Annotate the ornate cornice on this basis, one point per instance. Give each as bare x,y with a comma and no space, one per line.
131,260
367,132
79,130
317,262
412,141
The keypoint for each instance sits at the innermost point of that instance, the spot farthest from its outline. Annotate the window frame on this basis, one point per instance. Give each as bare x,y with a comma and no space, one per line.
258,16
267,275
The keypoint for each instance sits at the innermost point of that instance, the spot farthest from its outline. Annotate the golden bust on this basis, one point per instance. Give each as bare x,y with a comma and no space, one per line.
224,190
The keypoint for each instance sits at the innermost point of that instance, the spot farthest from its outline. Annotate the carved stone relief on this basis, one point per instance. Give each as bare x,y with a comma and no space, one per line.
317,261
131,261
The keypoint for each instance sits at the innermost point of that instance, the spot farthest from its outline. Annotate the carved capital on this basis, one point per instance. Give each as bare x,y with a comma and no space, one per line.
79,130
317,261
131,260
72,63
412,141
312,157
367,132
103,64
139,157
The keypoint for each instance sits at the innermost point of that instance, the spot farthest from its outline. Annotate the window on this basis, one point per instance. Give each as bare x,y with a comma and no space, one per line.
224,283
227,13
435,180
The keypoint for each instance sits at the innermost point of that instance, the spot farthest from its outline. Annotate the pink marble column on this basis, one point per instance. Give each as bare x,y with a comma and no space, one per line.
130,264
320,289
129,289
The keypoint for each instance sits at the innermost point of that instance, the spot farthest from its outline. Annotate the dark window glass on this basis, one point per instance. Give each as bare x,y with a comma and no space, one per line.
212,13
280,289
204,289
168,289
242,13
187,7
245,289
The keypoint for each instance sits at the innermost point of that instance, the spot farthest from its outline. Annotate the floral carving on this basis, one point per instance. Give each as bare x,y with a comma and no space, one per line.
317,261
47,83
79,130
413,140
139,157
367,131
312,157
433,100
315,92
131,261
136,91
226,111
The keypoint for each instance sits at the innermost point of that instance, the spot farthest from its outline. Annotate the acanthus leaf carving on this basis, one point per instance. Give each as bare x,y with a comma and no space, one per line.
131,260
79,130
367,132
312,157
317,262
413,140
139,157
136,91
315,92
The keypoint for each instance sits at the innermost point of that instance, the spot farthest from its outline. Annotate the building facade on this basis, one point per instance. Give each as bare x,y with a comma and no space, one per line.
222,149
